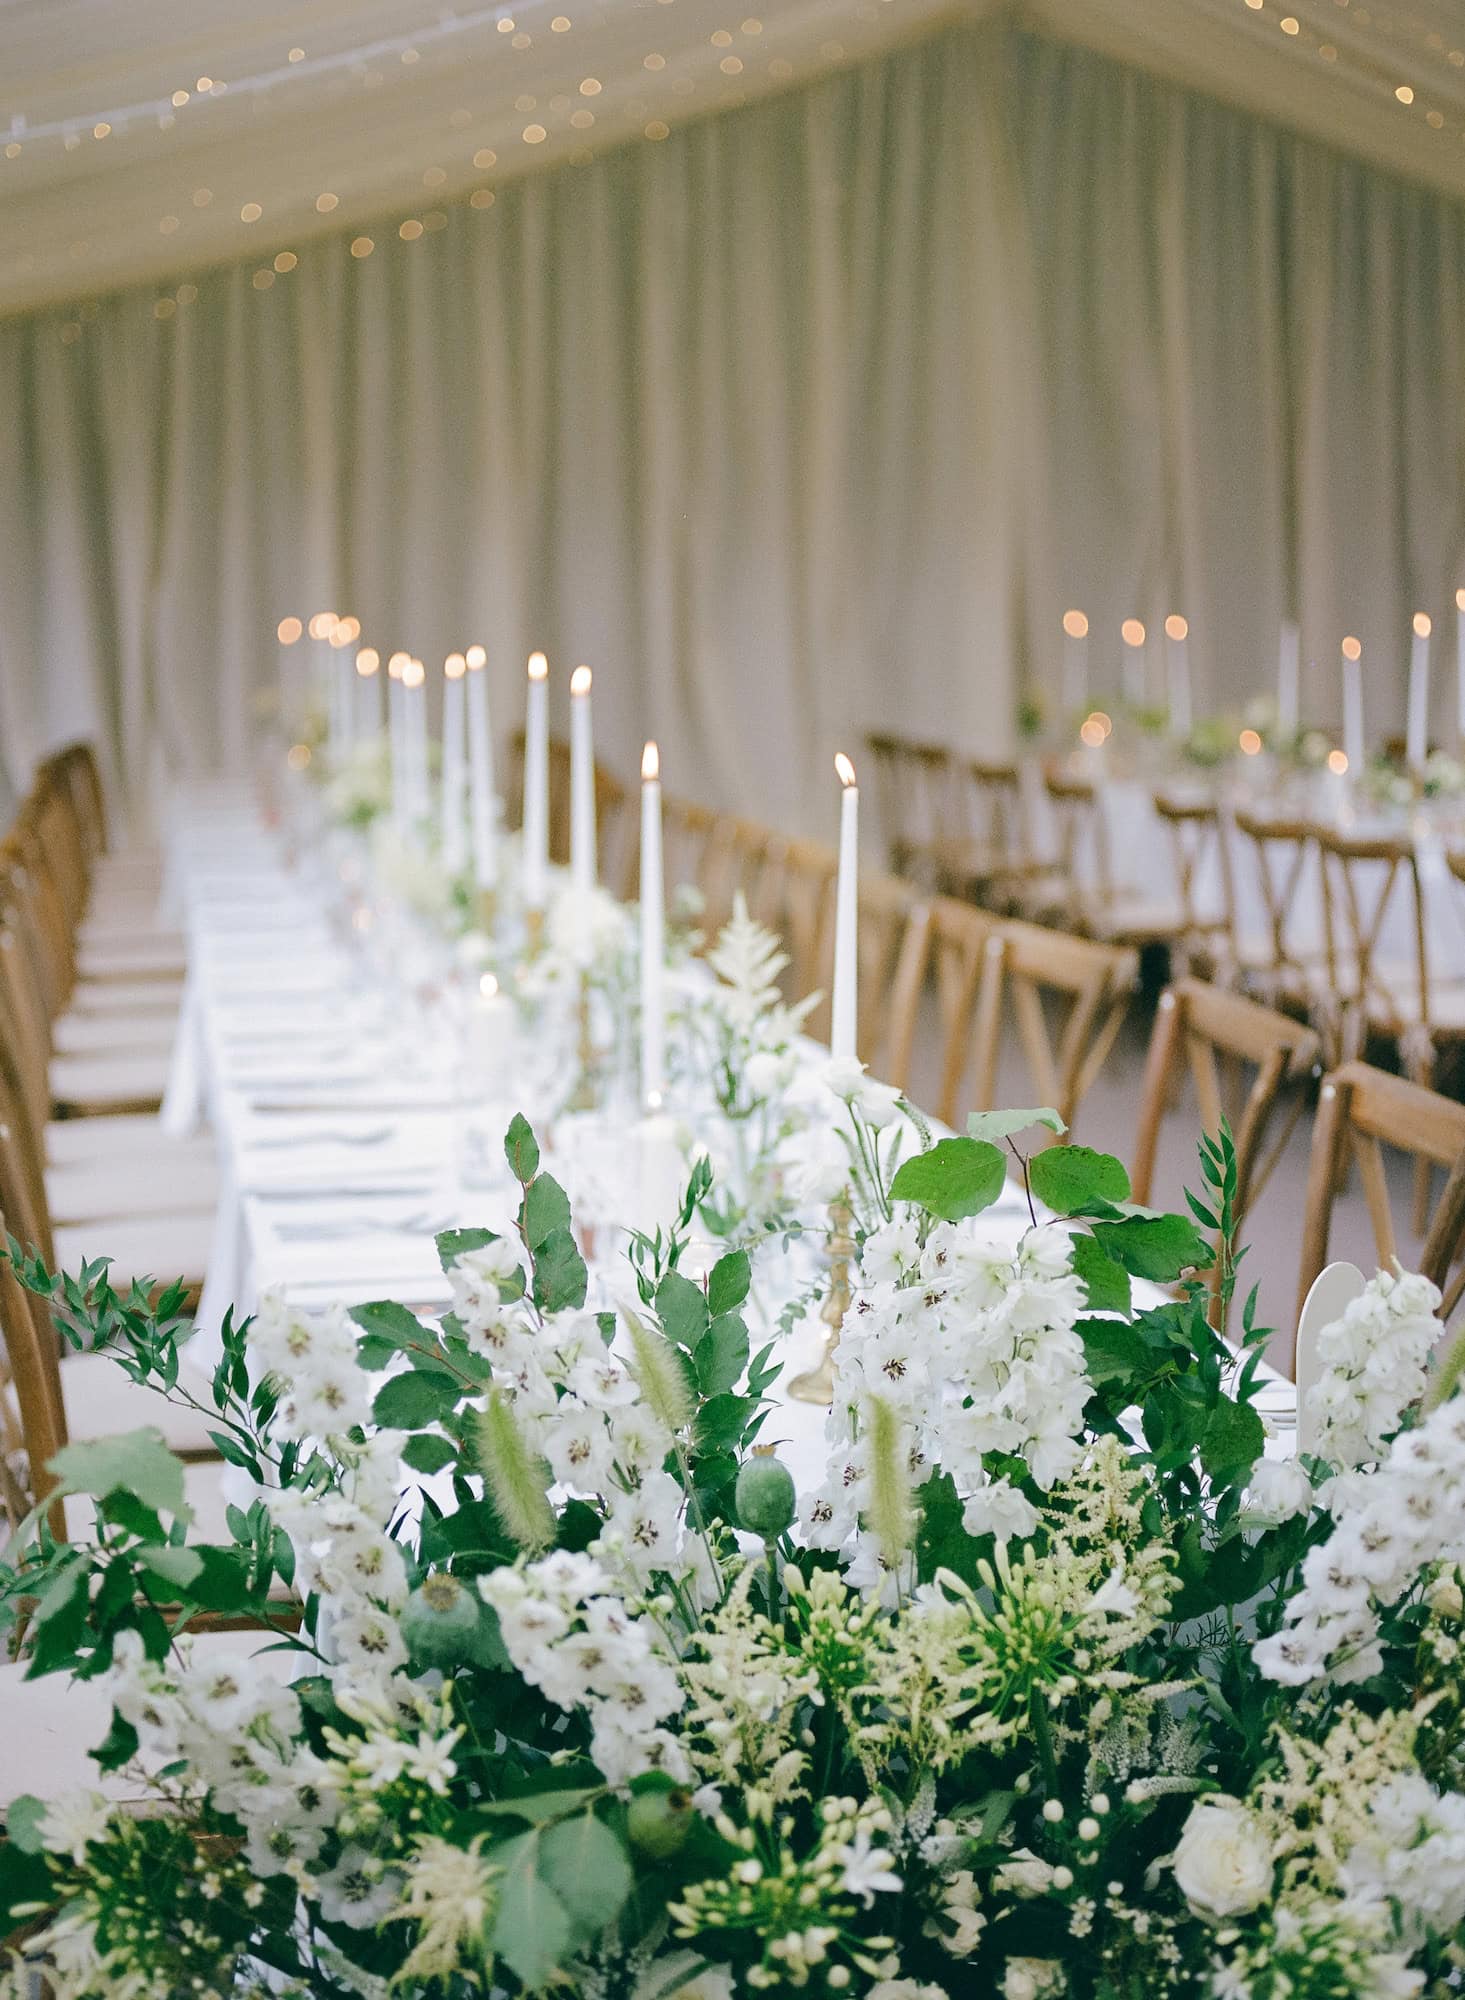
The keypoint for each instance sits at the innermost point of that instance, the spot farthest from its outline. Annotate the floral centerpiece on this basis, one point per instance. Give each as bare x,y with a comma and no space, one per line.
1057,1684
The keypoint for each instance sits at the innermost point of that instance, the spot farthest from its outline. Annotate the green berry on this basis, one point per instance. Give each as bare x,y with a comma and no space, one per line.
657,1823
765,1498
440,1621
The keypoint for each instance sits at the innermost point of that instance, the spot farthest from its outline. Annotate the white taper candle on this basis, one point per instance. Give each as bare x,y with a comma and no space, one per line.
582,783
454,828
1353,733
653,933
1289,670
1177,674
1075,661
1132,632
1416,735
483,803
843,1025
536,784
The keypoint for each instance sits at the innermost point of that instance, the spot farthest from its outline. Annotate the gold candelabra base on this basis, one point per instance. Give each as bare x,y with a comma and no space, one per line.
487,905
533,933
816,1384
584,1096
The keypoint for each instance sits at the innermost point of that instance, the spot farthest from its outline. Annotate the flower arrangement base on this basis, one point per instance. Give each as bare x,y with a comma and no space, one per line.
816,1385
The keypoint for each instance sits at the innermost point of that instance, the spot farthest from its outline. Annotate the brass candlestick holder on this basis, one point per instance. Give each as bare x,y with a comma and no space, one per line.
533,933
816,1384
487,903
584,1097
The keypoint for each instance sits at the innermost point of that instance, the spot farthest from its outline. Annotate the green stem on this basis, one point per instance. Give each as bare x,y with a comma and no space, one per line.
1043,1736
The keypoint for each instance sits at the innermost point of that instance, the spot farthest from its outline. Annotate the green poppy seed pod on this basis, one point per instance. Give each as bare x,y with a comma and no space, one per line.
764,1497
657,1823
440,1621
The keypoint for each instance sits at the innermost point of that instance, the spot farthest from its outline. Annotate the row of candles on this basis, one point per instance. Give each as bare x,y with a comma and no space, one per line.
1289,663
467,775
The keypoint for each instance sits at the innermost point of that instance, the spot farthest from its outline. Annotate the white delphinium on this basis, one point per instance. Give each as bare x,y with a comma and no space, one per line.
72,1822
324,1391
1373,1363
1393,1525
570,1634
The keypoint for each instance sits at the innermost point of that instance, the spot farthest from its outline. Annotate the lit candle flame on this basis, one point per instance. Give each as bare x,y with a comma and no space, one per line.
488,986
650,763
351,627
1338,762
413,674
1075,625
845,769
367,662
1422,626
1176,627
322,624
580,681
1132,632
455,666
538,666
397,665
1352,649
289,629
1250,743
476,657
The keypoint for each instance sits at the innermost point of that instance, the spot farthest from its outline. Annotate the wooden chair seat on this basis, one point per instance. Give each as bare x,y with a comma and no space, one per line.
1129,917
131,958
112,1034
81,1142
163,1184
101,1401
163,1247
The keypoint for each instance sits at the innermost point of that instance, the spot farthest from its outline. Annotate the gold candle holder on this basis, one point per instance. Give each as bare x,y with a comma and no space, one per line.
533,933
816,1384
487,904
583,1097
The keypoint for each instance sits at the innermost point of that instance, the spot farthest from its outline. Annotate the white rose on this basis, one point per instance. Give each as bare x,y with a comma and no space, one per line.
1032,1979
1223,1863
1277,1489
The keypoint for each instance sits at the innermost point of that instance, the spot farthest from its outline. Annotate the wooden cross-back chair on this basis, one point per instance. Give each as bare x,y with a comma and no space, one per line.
1208,1032
913,795
890,974
799,878
1361,1111
1098,904
1202,856
744,858
1281,966
687,833
990,858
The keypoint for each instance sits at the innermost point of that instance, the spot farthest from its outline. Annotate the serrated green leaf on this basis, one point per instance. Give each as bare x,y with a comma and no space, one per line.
559,1273
588,1870
521,1149
1160,1248
136,1462
546,1209
416,1397
1105,1283
728,1284
428,1453
722,1354
532,1932
995,1126
682,1310
1071,1179
956,1178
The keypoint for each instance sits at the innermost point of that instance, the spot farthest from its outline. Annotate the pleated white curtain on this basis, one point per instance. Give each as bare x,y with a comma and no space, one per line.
811,418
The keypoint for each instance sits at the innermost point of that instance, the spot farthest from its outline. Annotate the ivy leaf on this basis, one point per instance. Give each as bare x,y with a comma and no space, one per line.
721,1354
521,1149
995,1126
455,1243
1074,1179
136,1462
1159,1247
727,1287
532,1932
682,1310
1105,1283
428,1453
587,1868
546,1209
956,1178
559,1273
418,1396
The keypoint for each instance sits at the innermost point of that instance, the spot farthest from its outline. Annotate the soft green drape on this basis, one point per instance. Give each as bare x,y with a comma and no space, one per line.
810,418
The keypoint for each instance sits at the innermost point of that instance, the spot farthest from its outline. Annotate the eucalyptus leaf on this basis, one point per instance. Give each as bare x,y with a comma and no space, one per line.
521,1149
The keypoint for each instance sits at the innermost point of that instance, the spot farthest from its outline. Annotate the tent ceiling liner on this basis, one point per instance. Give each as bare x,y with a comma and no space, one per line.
139,141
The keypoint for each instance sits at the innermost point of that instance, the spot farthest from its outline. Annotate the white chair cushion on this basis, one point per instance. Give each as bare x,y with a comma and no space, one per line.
153,1184
135,1138
137,1078
161,1247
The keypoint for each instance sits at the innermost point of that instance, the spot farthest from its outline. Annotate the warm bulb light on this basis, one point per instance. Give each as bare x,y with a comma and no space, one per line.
476,657
1176,627
322,624
397,665
580,681
413,674
1101,721
845,769
488,986
1338,763
289,629
455,666
1352,649
1092,732
1250,743
1132,632
1422,626
367,662
351,627
650,763
1075,625
538,666
342,635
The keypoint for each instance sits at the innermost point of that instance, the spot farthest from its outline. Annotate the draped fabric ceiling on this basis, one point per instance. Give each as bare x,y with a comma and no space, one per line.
794,420
137,137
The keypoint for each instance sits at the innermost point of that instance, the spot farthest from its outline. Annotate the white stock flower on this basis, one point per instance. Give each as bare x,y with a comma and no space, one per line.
1223,1862
1033,1979
1276,1491
71,1823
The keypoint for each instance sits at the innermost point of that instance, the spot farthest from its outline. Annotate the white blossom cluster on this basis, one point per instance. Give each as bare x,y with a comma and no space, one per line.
1392,1525
324,1391
1373,1362
973,1345
572,1636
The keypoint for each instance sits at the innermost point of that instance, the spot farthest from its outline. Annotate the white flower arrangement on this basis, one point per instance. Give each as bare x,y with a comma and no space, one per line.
560,1695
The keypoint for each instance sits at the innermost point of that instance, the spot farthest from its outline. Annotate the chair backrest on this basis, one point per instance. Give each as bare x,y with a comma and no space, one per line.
1068,997
32,1411
799,877
744,858
1362,1110
895,925
1202,862
964,947
1373,902
912,789
1280,852
1207,1031
993,844
1081,838
687,831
